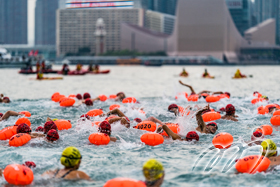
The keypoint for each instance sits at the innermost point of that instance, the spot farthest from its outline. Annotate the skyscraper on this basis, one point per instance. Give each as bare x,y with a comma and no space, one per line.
163,6
45,22
13,22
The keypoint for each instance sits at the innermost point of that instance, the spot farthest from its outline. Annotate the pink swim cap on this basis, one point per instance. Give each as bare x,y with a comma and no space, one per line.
172,106
192,135
85,116
230,109
79,96
105,127
86,95
257,134
23,128
138,120
88,102
40,129
48,126
52,135
1,114
6,98
29,164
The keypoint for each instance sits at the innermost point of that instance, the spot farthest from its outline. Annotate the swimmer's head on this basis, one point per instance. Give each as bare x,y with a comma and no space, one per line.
227,93
48,126
84,117
29,164
120,95
105,127
79,97
271,109
40,129
192,135
6,100
269,148
222,109
1,114
71,157
230,109
153,171
265,97
23,128
204,95
173,108
212,127
52,135
86,96
138,120
257,135
88,102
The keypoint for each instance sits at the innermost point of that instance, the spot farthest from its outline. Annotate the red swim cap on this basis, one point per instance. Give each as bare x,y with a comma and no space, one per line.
23,128
213,124
29,164
39,129
172,106
6,98
86,95
52,135
85,116
138,120
230,109
192,135
257,134
1,114
79,96
227,93
223,109
120,93
88,102
48,126
105,127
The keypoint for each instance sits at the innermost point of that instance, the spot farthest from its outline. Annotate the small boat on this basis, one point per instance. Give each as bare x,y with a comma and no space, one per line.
82,72
26,72
47,78
209,77
100,72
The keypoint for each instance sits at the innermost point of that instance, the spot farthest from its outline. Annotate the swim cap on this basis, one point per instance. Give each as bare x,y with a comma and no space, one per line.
192,135
6,98
29,164
1,114
105,127
48,126
52,135
257,134
223,109
213,124
230,109
172,106
153,170
227,93
70,157
264,97
23,128
138,120
40,129
85,116
86,95
79,96
88,102
120,94
270,147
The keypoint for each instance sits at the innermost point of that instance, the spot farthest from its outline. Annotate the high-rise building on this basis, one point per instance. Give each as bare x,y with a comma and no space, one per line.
45,22
163,6
13,22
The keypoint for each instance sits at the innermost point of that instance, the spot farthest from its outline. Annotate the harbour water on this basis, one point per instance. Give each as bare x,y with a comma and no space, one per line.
155,88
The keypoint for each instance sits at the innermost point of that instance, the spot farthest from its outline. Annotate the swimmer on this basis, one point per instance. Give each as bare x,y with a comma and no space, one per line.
9,114
105,127
173,108
153,172
269,149
184,73
71,159
265,97
79,67
121,117
272,109
207,75
65,69
238,75
230,113
120,97
210,128
256,138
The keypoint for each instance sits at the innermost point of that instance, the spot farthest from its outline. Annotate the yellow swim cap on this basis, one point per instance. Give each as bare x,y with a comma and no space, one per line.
153,170
70,157
270,147
55,119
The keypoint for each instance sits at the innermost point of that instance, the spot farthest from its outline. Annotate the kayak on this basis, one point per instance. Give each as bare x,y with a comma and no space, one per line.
211,77
26,72
47,78
82,72
239,77
100,72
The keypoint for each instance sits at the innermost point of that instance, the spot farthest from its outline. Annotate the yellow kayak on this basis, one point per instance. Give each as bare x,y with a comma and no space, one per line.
48,78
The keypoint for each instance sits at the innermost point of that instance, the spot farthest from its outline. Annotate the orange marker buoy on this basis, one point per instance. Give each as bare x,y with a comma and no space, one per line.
112,97
72,96
276,113
263,110
62,98
275,120
146,125
23,120
17,174
67,102
129,100
265,129
26,113
222,140
252,164
63,124
222,96
112,107
124,182
94,112
56,94
212,99
8,132
172,126
152,139
256,100
193,98
99,139
19,139
57,98
211,116
102,98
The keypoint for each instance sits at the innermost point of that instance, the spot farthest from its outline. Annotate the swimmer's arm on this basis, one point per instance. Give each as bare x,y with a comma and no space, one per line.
116,111
171,133
192,90
204,91
123,121
78,175
113,139
96,99
8,114
218,93
201,124
50,172
1,172
36,135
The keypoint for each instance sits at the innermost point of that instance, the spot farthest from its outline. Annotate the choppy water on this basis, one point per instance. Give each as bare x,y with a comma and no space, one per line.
155,89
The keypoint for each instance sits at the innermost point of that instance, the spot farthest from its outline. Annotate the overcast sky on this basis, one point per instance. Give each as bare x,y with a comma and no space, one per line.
31,21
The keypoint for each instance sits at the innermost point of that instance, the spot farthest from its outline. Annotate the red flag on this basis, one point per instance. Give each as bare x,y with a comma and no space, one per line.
36,53
31,53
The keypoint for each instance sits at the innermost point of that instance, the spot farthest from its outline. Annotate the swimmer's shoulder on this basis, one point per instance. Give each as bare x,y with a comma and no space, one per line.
75,175
113,139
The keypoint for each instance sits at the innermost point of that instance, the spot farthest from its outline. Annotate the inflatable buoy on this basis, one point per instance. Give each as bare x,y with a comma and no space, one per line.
222,140
23,120
63,124
56,98
103,98
124,182
146,125
252,164
180,94
222,96
94,112
96,123
17,174
99,139
112,97
172,126
256,100
275,120
265,129
211,116
152,139
212,99
26,113
72,96
263,110
61,99
129,100
67,102
112,107
193,98
19,139
8,132
276,113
